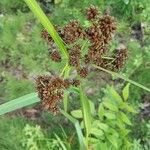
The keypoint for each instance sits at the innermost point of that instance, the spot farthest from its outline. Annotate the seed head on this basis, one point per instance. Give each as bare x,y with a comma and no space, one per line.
46,36
55,56
50,90
107,27
72,32
83,72
74,56
120,58
92,12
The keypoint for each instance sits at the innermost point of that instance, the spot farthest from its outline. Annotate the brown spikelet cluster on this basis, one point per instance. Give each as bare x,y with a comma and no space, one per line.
74,56
98,36
120,58
92,12
45,35
51,89
83,72
55,56
72,32
107,26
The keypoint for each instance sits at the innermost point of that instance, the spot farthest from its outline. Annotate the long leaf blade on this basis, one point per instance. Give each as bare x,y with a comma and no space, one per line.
78,129
19,103
38,12
86,111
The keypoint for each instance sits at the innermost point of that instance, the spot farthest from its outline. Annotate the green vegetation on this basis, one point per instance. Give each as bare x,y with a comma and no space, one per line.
105,112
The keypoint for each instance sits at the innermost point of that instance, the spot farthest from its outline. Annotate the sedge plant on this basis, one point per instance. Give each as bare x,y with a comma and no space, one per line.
63,40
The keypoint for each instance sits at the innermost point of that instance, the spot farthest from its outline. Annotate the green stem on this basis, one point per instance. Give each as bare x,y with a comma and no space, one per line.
78,129
123,77
87,119
104,57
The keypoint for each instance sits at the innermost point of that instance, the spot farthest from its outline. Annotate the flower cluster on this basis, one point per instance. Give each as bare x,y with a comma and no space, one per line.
98,35
51,89
120,57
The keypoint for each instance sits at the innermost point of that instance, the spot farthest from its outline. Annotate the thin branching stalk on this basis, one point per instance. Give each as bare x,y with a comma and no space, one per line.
122,77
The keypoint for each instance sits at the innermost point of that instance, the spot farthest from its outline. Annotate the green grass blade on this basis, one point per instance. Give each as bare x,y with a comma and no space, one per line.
34,6
123,77
19,103
60,142
78,129
86,111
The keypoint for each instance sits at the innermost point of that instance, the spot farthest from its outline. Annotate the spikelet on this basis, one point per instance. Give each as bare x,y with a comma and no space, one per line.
107,27
83,72
72,32
50,90
120,58
92,12
55,56
74,56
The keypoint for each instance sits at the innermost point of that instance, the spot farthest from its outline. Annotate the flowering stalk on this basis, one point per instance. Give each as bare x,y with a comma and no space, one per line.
122,77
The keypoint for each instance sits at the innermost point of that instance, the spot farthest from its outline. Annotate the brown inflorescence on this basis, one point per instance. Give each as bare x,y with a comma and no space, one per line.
83,72
98,36
107,27
51,89
46,36
72,32
74,56
92,12
120,57
55,56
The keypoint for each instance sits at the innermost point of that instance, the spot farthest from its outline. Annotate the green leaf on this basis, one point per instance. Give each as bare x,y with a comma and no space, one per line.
99,124
82,124
124,132
125,119
101,110
93,140
113,140
125,92
86,111
97,132
18,103
73,90
113,132
92,108
77,113
65,101
126,1
113,94
127,107
103,126
110,106
102,146
60,142
110,115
